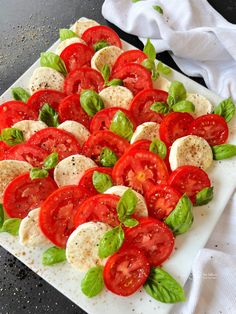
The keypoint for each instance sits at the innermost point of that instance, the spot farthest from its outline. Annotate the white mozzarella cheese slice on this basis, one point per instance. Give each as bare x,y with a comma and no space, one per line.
79,131
29,127
201,103
82,25
107,55
116,96
67,42
161,83
146,131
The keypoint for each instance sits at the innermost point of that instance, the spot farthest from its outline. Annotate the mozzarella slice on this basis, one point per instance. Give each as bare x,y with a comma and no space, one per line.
107,55
82,245
67,42
146,131
119,190
69,170
201,103
116,96
9,170
82,25
46,78
161,83
190,150
77,129
29,127
30,233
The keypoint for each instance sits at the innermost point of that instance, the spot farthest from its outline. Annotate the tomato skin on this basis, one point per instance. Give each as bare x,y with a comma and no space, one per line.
212,127
130,56
126,271
3,149
23,194
141,144
49,96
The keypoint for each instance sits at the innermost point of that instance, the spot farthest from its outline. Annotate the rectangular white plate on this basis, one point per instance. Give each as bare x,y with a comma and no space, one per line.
67,280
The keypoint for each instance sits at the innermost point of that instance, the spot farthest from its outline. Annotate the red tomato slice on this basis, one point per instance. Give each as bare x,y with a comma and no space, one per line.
212,127
161,200
135,77
189,180
23,194
126,271
70,109
130,56
87,179
26,152
101,33
56,218
139,167
77,56
3,149
153,237
83,78
49,96
56,140
175,125
140,106
14,111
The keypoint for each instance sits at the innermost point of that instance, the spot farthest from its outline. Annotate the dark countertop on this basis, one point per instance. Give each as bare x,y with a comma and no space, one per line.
28,27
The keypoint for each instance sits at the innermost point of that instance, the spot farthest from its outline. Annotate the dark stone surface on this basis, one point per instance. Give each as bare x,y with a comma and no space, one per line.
28,27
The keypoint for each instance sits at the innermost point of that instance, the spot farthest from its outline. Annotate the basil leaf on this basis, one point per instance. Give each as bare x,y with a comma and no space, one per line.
12,136
177,92
100,44
19,93
115,82
51,161
1,216
101,181
107,157
149,50
53,255
163,287
105,72
36,173
158,9
111,241
148,64
121,125
134,1
130,222
92,284
11,226
181,218
204,196
183,106
66,34
226,109
164,69
91,102
48,115
51,60
158,147
160,107
223,151
126,205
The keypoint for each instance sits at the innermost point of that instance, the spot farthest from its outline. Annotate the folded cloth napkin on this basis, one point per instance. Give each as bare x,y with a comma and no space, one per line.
199,39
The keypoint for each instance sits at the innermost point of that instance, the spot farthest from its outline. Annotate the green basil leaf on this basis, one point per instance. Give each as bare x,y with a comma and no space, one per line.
37,173
101,181
19,93
177,93
126,205
111,241
164,69
223,151
181,218
183,106
158,9
115,82
158,147
134,1
226,109
163,287
149,49
12,136
51,161
11,226
53,255
91,102
148,64
107,157
66,34
204,196
92,284
100,44
105,72
130,222
121,125
1,215
160,107
48,115
51,60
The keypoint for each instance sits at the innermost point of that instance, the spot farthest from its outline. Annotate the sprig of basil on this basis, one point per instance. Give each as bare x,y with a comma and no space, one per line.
110,242
48,115
66,34
107,157
149,63
223,151
12,136
226,109
160,107
126,205
101,181
100,44
121,125
2,216
115,82
91,102
177,93
38,173
158,147
19,93
92,284
51,60
183,106
204,196
53,255
51,161
164,69
149,50
11,226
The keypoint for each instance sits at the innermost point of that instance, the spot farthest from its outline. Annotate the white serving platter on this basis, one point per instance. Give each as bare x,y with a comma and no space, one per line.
67,280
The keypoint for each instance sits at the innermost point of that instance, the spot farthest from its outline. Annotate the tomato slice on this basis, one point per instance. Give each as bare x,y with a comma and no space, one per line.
23,194
14,111
26,152
212,127
189,180
153,237
101,33
175,125
126,271
135,77
86,180
83,78
76,56
49,96
139,167
56,140
130,56
56,218
140,105
3,149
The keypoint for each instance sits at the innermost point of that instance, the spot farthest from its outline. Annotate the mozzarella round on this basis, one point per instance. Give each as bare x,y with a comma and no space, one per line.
119,190
107,55
82,245
146,131
77,129
46,78
82,25
201,103
67,42
116,96
29,127
190,150
161,83
69,170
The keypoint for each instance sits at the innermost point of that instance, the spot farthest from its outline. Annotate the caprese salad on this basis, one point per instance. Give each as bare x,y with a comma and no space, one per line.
104,169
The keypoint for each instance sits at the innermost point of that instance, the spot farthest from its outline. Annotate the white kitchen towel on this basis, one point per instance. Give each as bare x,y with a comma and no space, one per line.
200,40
